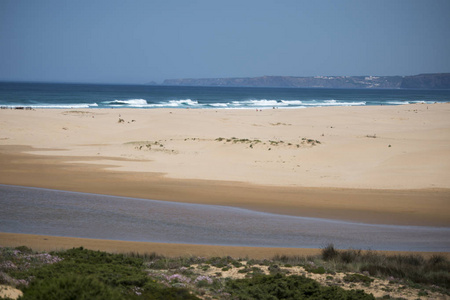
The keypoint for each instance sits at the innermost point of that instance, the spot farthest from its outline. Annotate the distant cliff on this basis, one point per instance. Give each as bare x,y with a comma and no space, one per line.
427,81
423,81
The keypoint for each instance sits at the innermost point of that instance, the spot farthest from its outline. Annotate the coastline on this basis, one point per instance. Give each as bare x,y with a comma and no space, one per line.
352,174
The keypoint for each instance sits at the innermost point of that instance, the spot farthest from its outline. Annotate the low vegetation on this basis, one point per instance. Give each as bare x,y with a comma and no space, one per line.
409,268
85,274
254,142
155,146
310,141
235,140
289,287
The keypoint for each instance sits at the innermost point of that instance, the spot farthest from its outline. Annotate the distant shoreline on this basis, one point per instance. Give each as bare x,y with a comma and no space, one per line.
421,81
427,81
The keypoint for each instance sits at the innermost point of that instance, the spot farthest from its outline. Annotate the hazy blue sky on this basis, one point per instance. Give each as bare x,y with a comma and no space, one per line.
139,41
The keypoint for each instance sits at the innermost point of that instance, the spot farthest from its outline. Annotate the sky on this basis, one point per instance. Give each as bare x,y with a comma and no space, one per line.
109,41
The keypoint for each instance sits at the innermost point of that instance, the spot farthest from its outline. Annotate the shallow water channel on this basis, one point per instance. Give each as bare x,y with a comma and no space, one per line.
61,213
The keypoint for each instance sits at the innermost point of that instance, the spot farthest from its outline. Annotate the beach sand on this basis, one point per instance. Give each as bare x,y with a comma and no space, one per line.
55,243
380,164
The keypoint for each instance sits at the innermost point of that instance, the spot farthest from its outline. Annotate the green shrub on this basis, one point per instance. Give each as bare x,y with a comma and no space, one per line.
155,291
349,256
222,262
205,268
159,263
275,269
329,253
357,278
434,271
290,260
114,275
24,249
236,264
288,287
218,262
257,271
70,287
244,270
414,268
318,270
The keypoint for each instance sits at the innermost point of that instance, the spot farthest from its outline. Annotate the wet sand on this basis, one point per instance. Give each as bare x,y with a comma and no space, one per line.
426,207
49,243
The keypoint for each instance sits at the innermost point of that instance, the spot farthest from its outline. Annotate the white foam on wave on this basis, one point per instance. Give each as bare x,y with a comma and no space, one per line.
264,104
292,102
265,107
129,102
410,102
421,102
218,104
397,102
184,102
248,107
236,104
361,103
261,102
175,104
333,102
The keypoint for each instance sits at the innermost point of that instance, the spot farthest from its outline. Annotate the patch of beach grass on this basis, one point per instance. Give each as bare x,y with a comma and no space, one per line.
253,142
412,268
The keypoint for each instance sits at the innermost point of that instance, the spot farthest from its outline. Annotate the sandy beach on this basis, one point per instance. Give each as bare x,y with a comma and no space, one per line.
52,243
372,164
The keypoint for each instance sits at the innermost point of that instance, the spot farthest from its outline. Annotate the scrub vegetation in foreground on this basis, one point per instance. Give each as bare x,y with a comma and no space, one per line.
335,274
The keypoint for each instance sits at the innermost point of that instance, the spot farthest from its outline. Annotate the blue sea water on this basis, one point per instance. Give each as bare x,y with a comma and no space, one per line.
49,95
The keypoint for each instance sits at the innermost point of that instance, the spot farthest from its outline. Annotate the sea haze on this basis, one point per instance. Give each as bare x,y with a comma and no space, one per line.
65,96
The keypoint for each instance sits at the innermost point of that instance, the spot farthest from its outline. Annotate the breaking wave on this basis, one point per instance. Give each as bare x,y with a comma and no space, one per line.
130,102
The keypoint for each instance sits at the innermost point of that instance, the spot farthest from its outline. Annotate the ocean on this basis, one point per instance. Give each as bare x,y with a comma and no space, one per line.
72,96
